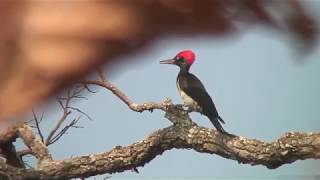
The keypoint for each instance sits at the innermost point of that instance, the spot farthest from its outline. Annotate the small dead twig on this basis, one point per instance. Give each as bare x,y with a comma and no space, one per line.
64,116
65,129
58,131
88,89
80,111
37,124
65,102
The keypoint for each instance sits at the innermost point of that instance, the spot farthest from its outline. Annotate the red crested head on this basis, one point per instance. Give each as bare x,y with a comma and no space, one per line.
183,59
187,55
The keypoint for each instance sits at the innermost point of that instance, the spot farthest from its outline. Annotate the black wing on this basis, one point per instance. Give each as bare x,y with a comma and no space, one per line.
192,86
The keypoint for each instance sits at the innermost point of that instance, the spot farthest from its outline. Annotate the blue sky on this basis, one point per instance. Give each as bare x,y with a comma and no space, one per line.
259,87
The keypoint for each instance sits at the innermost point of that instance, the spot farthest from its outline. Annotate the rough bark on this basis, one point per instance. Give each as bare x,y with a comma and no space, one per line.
9,132
184,134
34,143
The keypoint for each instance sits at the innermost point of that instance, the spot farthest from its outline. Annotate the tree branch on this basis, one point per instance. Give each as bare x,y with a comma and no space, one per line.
58,131
187,135
65,106
150,106
39,149
24,152
65,129
66,113
9,132
37,121
183,134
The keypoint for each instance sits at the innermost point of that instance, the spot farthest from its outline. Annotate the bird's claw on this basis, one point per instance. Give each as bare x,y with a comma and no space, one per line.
179,107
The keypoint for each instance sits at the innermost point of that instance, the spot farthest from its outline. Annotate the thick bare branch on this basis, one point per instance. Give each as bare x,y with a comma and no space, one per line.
187,135
183,134
6,134
39,149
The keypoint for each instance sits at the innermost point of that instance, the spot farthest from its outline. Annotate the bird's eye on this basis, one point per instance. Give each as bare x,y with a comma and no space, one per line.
180,59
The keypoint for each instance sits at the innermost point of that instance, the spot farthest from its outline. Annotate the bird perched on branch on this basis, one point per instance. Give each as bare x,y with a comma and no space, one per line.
192,91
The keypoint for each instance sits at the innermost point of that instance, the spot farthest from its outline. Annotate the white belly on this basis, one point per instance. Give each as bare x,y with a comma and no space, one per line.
188,101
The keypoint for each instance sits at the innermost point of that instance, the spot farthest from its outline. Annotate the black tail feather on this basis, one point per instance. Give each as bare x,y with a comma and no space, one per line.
221,120
218,126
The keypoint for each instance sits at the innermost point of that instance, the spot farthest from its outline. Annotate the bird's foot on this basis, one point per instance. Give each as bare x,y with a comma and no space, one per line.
189,110
180,107
194,109
222,131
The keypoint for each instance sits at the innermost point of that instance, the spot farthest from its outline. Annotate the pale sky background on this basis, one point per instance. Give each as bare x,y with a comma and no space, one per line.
258,85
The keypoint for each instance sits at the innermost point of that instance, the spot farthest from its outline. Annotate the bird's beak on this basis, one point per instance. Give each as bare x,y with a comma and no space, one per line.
169,61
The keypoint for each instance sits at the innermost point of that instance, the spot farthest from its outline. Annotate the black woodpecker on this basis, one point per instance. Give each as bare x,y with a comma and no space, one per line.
192,91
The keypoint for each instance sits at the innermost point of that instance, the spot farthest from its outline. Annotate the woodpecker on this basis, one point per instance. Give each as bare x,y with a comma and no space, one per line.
192,91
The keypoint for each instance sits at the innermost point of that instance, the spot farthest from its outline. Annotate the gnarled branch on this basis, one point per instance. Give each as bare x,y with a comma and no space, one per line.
35,144
183,134
187,135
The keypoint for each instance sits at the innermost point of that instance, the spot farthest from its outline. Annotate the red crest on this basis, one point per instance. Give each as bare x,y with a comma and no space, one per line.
188,55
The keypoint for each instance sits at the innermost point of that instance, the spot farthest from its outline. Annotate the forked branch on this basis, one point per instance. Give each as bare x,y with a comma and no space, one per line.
287,149
183,134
